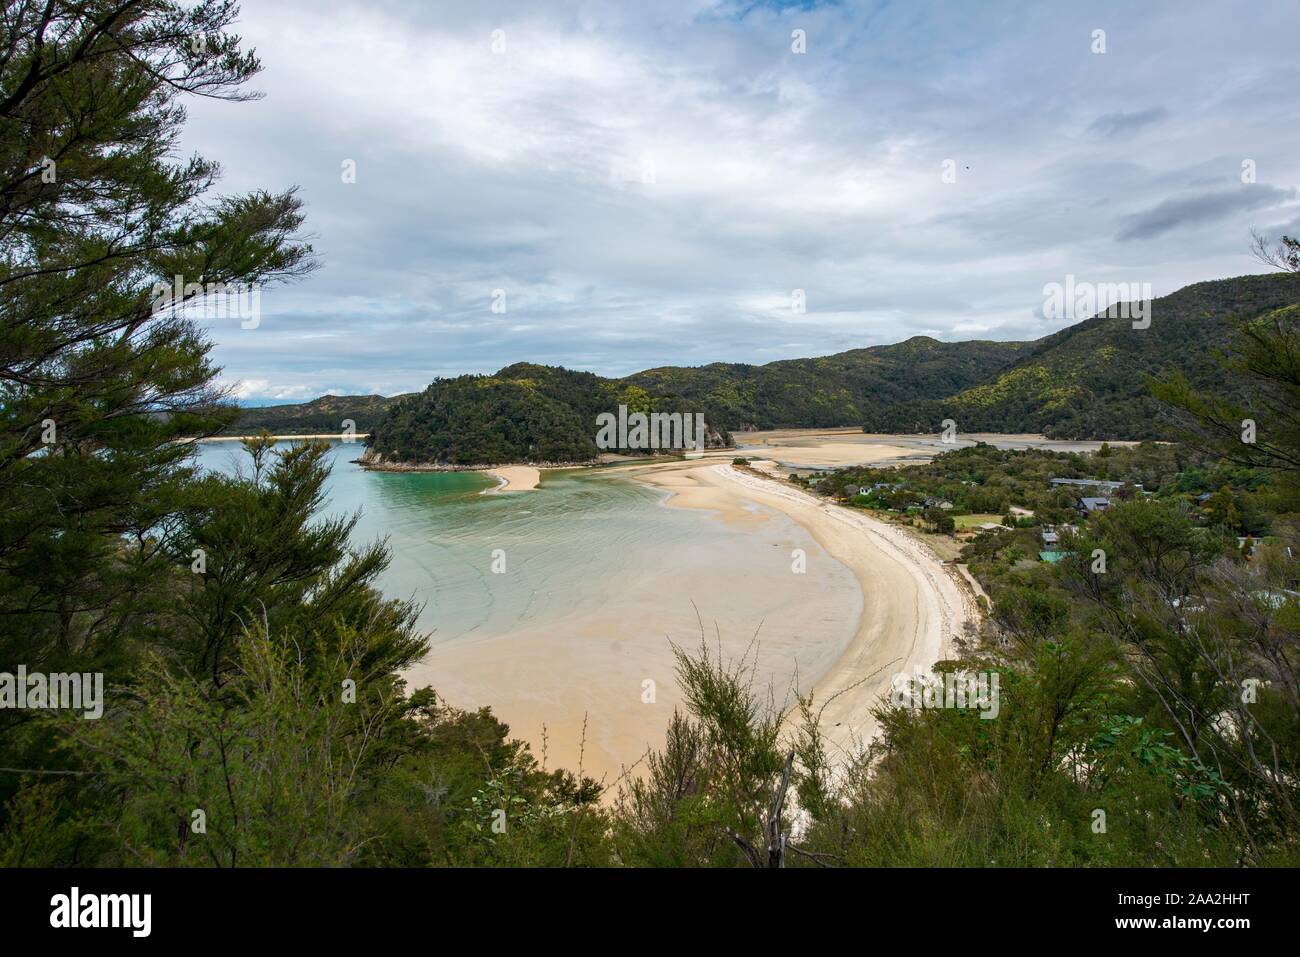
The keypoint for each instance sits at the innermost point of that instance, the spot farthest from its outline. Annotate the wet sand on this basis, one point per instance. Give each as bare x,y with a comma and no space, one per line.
514,478
913,604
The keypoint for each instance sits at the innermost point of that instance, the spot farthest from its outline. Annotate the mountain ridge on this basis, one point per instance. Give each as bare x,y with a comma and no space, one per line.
1087,380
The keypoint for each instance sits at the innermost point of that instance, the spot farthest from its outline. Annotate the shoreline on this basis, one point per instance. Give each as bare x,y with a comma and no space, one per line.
886,604
913,604
874,601
341,436
373,466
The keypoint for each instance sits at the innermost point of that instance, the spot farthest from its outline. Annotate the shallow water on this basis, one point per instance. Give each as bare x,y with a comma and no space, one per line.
583,539
601,579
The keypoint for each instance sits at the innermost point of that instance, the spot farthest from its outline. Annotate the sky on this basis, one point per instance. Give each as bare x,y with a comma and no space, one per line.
618,186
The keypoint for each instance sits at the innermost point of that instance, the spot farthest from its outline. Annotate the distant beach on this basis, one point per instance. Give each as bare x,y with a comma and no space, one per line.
515,478
341,436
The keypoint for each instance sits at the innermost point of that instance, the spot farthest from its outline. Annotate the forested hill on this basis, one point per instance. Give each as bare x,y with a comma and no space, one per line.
323,416
840,389
831,390
1090,380
524,413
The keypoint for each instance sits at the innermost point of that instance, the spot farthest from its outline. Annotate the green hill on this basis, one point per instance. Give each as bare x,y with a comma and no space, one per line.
524,413
325,415
840,389
1086,381
1090,380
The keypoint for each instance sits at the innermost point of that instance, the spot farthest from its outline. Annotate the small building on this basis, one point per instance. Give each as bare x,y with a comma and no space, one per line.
938,503
1090,483
1050,537
1093,504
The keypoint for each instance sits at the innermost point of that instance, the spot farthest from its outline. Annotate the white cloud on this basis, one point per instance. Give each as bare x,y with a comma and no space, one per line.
649,182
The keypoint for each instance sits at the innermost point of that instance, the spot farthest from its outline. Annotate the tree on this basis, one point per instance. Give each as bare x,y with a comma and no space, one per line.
939,520
1283,256
100,372
1263,429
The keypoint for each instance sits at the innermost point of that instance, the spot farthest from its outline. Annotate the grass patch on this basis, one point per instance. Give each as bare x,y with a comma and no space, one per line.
973,521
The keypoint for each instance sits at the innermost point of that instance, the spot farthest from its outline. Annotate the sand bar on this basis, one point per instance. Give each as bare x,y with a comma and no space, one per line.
283,438
514,478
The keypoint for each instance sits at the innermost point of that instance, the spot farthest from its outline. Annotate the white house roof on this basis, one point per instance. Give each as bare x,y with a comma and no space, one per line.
1090,483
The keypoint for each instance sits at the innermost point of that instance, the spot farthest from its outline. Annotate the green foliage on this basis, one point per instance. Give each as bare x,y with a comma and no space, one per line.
1087,381
96,381
323,416
1091,379
840,389
938,520
524,413
982,479
706,798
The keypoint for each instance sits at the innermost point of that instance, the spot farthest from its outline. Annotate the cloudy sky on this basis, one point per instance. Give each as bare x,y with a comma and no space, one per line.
645,184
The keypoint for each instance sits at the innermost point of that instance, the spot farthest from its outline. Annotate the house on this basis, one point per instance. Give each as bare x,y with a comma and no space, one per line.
1093,504
1090,483
1050,537
937,503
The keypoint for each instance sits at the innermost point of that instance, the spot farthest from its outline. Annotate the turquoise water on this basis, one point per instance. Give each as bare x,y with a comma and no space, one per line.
565,546
601,578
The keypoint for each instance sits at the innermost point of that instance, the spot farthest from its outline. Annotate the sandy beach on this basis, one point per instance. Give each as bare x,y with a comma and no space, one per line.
913,604
571,677
355,436
578,684
514,478
800,449
576,688
595,687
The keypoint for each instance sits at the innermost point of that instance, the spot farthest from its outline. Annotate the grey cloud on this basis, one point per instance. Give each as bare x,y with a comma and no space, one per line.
1201,208
1123,124
775,171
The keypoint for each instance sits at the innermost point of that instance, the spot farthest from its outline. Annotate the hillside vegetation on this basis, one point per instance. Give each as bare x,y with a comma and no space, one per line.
1087,381
1091,379
840,389
524,413
323,416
